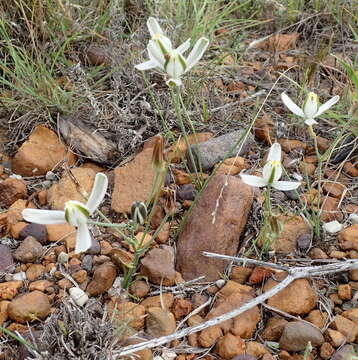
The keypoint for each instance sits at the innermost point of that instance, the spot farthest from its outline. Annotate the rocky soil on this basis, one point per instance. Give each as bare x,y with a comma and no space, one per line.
176,286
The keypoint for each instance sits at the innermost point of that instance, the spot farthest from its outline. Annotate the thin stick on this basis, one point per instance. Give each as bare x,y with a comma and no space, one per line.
293,274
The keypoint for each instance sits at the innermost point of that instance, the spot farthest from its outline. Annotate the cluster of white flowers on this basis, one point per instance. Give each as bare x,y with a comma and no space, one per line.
162,56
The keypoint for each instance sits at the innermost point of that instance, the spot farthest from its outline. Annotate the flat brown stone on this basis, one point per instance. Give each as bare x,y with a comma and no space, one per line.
223,236
41,153
133,182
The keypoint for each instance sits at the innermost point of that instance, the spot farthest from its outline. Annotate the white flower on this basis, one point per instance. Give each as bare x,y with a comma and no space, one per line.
164,57
75,213
311,108
271,173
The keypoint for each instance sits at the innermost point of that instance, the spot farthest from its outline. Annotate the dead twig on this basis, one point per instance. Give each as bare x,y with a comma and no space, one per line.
294,273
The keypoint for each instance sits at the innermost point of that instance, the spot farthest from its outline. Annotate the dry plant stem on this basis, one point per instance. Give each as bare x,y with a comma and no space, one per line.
293,274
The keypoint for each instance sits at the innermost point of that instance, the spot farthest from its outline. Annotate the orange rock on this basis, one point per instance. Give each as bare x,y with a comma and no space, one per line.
21,328
240,274
229,346
80,276
273,329
9,289
263,129
40,153
181,308
323,144
237,161
287,299
335,337
133,182
326,351
155,301
306,168
14,213
12,190
60,232
334,189
163,234
290,145
143,240
16,229
294,227
316,318
159,322
243,325
34,271
260,274
351,314
181,177
139,288
225,169
256,349
40,285
29,307
102,280
132,314
345,291
66,189
329,209
346,327
208,337
348,238
350,169
42,196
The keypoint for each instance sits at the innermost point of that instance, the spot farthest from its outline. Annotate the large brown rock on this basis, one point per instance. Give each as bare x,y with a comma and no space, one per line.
29,307
12,190
222,236
133,182
40,153
67,189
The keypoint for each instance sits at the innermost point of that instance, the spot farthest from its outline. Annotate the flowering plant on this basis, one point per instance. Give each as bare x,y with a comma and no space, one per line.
162,55
75,213
311,108
271,173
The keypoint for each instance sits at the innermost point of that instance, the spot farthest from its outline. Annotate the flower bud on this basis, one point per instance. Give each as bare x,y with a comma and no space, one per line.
158,162
139,212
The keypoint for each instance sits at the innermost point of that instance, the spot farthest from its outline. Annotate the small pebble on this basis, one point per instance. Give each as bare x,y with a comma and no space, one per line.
78,296
62,257
220,283
332,227
50,176
19,276
353,218
15,176
87,263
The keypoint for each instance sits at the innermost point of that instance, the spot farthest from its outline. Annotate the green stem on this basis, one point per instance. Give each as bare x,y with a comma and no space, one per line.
317,227
178,101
